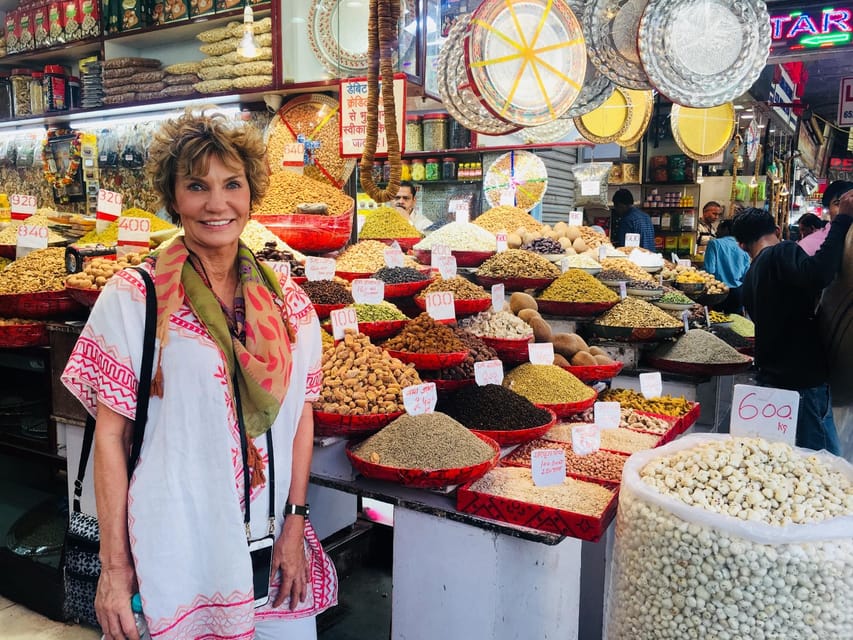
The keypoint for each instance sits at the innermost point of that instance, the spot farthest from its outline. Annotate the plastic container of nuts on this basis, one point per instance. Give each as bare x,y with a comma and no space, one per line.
311,233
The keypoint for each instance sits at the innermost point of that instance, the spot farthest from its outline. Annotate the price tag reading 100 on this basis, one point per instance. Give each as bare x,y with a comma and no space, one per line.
440,305
343,319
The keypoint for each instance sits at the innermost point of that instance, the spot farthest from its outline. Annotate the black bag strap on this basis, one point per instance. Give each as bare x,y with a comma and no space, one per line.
143,394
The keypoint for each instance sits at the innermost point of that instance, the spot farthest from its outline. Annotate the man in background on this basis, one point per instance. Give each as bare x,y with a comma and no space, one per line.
405,202
707,229
632,220
830,201
728,263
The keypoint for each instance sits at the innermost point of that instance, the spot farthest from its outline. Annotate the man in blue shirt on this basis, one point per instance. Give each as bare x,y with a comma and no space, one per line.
632,220
728,263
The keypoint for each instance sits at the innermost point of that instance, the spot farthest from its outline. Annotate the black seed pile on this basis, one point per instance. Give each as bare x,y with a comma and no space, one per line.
493,408
398,275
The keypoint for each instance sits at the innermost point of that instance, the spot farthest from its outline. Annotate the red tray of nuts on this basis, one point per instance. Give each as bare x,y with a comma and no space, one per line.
336,424
602,466
17,333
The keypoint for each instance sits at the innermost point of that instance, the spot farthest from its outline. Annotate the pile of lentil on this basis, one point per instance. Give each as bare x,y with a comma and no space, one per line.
386,222
360,378
500,324
674,297
426,441
700,347
547,384
742,326
664,405
507,218
517,263
619,440
462,289
398,275
516,483
367,256
601,465
271,253
39,271
287,191
493,408
578,286
460,236
478,351
109,236
425,335
327,292
378,312
632,312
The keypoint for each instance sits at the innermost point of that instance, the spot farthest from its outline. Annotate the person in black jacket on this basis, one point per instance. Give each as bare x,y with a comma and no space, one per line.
780,293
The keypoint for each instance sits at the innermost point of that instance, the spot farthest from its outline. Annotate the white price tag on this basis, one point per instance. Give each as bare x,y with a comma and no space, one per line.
632,239
343,319
368,291
440,250
498,297
575,218
281,269
586,439
764,412
564,264
420,398
293,158
446,266
602,252
685,263
22,206
590,187
440,306
540,353
29,238
393,258
548,466
685,317
395,246
608,415
134,235
651,385
489,372
109,208
623,290
319,268
500,240
462,214
707,318
507,197
360,219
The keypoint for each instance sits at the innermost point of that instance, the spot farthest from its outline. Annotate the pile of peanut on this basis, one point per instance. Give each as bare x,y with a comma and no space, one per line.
98,270
601,465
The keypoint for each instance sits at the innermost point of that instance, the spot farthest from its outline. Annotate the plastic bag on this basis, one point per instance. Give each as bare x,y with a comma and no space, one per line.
681,571
591,183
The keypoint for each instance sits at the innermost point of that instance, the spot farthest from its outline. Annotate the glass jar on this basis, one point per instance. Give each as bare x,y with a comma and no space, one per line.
435,131
405,170
448,168
418,171
386,172
37,93
458,137
20,80
73,97
433,169
414,135
376,173
5,97
53,83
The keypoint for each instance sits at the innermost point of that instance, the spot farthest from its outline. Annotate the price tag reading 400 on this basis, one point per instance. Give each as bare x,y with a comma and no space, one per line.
319,268
343,319
765,412
440,305
30,237
133,235
22,206
420,398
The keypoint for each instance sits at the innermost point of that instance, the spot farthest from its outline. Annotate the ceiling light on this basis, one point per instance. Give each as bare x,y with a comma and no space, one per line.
746,116
738,107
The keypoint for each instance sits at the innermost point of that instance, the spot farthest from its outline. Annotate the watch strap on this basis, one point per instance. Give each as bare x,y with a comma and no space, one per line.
296,510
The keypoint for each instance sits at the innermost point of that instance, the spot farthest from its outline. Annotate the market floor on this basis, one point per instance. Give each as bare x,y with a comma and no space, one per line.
19,623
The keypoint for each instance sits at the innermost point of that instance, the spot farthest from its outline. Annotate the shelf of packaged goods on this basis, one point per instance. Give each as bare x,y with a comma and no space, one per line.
445,182
654,185
444,152
68,51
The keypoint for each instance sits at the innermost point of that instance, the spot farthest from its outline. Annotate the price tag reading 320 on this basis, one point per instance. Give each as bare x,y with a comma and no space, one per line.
109,208
765,412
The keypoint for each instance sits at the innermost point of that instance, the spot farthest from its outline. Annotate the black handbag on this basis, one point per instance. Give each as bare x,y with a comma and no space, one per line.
81,565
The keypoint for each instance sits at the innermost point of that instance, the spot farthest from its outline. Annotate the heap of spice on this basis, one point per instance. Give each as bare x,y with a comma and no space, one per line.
460,236
731,337
517,263
578,286
699,347
425,335
507,218
632,271
327,292
742,326
287,191
619,440
399,275
674,297
426,441
497,324
109,236
367,256
360,378
39,271
478,351
462,289
547,384
493,408
378,312
633,312
386,222
601,465
664,405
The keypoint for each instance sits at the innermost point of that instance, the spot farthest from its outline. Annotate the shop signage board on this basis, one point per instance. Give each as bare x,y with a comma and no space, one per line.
764,412
798,28
845,103
353,120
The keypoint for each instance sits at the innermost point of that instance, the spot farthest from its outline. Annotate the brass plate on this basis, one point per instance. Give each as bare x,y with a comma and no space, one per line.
608,122
703,133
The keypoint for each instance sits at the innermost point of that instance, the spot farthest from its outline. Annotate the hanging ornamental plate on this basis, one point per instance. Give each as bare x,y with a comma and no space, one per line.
703,53
517,178
553,131
611,28
609,121
703,133
596,86
526,59
642,104
751,140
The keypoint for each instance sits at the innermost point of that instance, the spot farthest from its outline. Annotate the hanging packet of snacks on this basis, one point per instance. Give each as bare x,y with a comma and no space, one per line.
591,183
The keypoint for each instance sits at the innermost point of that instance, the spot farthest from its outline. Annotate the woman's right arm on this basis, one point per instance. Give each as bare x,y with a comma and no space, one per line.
113,435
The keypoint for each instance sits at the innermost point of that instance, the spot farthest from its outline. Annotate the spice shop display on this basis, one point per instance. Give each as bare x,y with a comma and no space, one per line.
459,236
87,284
507,218
550,386
517,270
506,333
468,297
327,295
257,237
109,236
427,344
601,466
698,352
9,234
271,253
377,321
616,440
576,293
33,287
364,258
462,374
673,300
684,411
765,531
387,224
544,246
636,320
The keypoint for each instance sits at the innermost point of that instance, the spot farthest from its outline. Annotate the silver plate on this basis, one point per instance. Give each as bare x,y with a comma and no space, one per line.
611,31
703,53
553,131
597,87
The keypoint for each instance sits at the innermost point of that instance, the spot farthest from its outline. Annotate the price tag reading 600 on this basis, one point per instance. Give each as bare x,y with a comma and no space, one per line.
765,412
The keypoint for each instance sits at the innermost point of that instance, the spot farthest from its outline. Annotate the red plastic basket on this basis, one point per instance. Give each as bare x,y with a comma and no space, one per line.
575,309
406,289
695,369
594,373
510,350
463,258
565,409
323,310
335,424
310,233
30,334
516,284
519,436
40,306
449,386
425,478
430,361
86,297
462,307
382,329
352,275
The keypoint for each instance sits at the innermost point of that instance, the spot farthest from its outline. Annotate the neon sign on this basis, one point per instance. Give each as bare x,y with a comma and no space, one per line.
803,29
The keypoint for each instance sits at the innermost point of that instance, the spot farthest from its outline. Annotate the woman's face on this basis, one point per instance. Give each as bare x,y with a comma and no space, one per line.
214,207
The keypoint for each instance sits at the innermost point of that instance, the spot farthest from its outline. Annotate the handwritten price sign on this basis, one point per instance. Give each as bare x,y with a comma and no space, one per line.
29,238
22,205
440,305
542,353
498,293
446,266
489,372
651,384
765,413
548,467
368,290
575,218
608,415
109,208
632,239
343,319
319,268
393,258
420,398
500,238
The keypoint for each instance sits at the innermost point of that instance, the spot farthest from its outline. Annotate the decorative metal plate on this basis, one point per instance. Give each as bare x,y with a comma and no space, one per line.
611,27
516,178
751,139
702,53
544,133
703,133
597,87
454,88
609,121
642,103
526,59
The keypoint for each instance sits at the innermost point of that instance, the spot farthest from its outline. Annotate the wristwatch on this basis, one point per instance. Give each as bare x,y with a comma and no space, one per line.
296,510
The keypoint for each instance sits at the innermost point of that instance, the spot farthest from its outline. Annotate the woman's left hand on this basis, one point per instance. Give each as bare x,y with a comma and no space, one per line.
289,557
